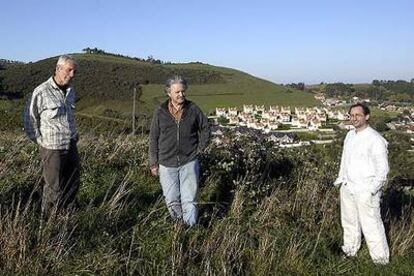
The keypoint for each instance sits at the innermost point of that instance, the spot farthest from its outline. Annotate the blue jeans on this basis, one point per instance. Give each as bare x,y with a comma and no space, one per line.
180,186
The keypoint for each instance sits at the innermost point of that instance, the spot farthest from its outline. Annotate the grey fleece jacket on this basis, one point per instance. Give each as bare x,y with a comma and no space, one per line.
175,143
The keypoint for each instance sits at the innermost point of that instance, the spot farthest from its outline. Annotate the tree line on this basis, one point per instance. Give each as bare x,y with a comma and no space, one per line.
149,59
380,91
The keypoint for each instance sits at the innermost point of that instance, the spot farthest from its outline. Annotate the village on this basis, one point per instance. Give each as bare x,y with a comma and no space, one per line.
285,125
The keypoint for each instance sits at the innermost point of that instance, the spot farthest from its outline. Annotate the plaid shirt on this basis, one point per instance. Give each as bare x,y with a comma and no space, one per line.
49,116
177,113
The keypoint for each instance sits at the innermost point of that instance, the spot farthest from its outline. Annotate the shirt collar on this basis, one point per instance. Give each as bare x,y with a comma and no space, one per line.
53,83
171,106
363,132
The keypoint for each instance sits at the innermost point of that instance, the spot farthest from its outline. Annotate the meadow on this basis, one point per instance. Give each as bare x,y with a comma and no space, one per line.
263,211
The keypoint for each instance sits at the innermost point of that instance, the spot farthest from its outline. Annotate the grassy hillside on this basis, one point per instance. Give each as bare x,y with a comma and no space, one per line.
106,82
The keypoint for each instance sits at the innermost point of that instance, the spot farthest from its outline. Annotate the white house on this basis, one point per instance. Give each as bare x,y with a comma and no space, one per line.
221,112
248,108
232,111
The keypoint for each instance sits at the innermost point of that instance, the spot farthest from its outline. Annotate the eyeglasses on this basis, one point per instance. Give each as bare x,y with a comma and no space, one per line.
356,115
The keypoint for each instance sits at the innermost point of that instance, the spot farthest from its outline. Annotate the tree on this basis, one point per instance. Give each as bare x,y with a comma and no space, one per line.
223,121
298,86
87,50
339,89
376,83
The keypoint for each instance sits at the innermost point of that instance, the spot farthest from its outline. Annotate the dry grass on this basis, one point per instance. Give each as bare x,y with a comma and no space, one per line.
280,224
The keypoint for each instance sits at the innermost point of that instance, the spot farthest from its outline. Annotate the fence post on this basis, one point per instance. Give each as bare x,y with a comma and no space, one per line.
133,111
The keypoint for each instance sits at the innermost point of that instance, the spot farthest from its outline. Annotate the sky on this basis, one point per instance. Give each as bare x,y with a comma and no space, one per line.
311,41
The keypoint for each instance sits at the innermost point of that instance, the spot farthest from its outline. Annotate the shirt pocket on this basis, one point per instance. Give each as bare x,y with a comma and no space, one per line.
54,110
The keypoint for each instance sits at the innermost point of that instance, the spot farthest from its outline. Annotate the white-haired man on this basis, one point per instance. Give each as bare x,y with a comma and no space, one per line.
49,121
179,133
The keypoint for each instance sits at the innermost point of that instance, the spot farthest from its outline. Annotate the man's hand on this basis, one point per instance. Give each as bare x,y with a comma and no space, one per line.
338,182
155,170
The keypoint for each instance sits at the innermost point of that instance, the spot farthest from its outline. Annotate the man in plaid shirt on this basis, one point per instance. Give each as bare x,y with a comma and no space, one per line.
49,121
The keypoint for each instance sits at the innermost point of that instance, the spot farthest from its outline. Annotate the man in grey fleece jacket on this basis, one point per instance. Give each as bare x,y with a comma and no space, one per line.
179,133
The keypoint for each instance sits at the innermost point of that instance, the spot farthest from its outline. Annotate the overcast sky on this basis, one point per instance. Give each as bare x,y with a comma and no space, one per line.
281,41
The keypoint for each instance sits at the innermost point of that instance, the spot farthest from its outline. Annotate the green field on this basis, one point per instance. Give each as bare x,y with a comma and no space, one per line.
208,97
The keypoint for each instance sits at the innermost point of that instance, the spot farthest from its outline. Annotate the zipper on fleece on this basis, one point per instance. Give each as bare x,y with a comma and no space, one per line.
178,141
178,136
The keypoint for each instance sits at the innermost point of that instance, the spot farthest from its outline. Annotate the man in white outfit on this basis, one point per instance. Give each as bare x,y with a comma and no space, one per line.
363,172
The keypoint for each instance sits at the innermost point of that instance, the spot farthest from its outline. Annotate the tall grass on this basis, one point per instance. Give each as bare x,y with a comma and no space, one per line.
262,211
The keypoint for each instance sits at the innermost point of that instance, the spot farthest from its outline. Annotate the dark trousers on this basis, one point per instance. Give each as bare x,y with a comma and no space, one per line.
62,177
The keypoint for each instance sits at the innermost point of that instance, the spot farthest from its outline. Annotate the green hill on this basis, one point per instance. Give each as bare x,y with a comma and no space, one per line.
106,82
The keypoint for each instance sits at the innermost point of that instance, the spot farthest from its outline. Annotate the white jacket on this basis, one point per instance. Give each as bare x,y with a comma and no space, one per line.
364,162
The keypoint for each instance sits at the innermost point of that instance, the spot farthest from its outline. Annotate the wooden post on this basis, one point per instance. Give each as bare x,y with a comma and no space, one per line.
133,111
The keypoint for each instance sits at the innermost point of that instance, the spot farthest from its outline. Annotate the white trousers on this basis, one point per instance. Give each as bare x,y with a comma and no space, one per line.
361,211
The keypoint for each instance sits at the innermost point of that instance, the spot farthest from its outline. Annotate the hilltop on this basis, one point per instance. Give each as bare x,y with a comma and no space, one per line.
106,82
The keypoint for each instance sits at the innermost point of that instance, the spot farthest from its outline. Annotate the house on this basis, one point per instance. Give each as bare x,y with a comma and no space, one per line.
300,111
295,121
233,120
346,125
259,108
274,109
391,107
284,117
273,116
232,111
251,123
248,108
244,117
260,126
321,117
281,138
319,110
338,115
220,112
314,124
285,109
299,122
342,116
301,114
273,125
266,115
